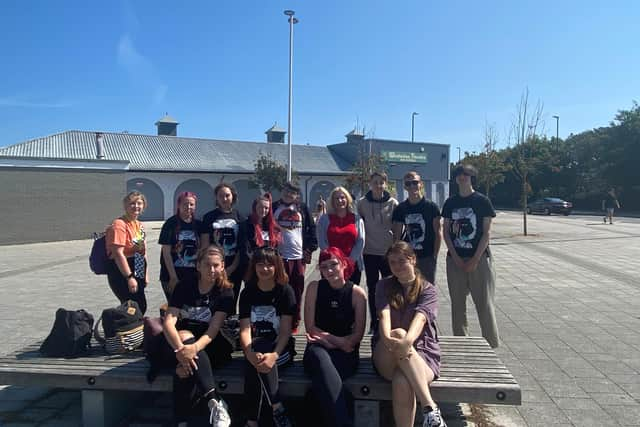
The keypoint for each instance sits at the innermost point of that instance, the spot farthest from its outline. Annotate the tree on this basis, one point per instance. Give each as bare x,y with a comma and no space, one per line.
366,163
270,174
523,133
491,167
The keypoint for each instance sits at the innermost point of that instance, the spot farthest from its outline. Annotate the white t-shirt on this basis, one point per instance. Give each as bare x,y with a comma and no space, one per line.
289,218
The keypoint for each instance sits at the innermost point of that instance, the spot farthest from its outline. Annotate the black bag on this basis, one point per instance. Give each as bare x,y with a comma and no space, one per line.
98,258
123,328
70,335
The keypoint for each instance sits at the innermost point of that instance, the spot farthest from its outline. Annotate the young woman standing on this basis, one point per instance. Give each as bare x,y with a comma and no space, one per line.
405,347
180,241
267,307
261,228
334,312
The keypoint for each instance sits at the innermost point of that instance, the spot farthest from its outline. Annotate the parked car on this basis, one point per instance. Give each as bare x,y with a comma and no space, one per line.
549,205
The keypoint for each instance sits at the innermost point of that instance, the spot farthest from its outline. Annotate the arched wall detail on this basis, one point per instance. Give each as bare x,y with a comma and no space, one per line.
154,195
206,198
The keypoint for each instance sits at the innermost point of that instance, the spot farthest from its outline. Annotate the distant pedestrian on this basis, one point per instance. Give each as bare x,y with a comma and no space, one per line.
127,252
376,210
342,227
179,238
298,241
610,203
467,224
417,222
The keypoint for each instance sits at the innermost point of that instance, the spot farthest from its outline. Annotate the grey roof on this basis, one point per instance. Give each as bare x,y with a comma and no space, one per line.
177,154
167,119
275,128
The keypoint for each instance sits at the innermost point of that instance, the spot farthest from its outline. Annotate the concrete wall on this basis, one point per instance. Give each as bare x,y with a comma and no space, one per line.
40,204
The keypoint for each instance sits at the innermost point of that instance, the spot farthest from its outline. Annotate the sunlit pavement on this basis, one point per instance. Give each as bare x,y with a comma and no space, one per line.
568,307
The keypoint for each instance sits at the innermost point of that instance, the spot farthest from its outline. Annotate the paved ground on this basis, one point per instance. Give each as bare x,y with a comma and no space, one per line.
568,299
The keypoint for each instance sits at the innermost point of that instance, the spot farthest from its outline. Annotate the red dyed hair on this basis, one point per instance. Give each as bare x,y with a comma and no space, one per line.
333,252
273,229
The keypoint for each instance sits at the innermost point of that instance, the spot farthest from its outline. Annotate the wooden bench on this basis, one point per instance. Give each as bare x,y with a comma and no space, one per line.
471,372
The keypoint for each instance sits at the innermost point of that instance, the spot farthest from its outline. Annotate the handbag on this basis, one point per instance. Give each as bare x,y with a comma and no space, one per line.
70,334
123,328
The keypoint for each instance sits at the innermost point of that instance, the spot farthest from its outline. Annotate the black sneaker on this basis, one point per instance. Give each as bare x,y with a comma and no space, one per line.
280,418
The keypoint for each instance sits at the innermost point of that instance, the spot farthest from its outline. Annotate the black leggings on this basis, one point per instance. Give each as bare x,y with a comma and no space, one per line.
187,392
119,287
252,387
327,369
374,265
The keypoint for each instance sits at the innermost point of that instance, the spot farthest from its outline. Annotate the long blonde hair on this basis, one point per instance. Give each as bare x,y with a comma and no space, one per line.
395,292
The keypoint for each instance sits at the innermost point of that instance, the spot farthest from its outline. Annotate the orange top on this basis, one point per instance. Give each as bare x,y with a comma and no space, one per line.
129,234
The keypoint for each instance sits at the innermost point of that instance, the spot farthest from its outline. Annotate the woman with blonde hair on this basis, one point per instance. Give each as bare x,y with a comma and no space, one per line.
405,346
342,227
127,252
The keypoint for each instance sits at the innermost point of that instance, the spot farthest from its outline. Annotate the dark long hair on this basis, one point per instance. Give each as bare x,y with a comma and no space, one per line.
268,256
272,228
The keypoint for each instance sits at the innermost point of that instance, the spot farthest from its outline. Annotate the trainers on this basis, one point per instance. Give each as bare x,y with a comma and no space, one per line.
433,418
280,418
219,413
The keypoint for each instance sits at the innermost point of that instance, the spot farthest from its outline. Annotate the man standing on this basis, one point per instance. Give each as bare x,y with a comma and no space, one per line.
298,239
467,224
610,203
376,209
420,220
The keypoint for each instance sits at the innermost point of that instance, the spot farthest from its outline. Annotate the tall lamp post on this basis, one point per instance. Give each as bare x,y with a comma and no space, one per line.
292,21
413,116
557,131
458,154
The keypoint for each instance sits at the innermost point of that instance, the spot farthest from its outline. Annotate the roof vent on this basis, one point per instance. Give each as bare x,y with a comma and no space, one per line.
167,126
355,136
99,145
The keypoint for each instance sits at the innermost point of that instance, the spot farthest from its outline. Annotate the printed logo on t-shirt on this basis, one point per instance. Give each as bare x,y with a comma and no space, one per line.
265,321
225,232
186,249
289,218
464,225
416,228
334,304
196,314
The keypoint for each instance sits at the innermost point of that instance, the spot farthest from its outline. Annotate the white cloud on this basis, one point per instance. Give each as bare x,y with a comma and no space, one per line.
141,69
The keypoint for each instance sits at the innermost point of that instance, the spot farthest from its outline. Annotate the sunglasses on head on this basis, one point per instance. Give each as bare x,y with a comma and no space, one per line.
412,182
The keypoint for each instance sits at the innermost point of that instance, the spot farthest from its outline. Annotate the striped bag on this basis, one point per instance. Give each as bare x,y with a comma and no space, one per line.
123,328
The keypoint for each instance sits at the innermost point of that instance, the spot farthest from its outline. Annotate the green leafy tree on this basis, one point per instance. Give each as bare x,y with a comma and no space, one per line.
367,162
270,174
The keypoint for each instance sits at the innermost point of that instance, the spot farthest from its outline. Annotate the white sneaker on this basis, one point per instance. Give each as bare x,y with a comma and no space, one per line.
219,413
433,418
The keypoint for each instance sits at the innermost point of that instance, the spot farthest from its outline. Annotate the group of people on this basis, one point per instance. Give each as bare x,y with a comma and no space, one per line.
204,264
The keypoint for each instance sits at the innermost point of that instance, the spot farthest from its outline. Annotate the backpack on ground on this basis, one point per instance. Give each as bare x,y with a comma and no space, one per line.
98,258
122,326
70,335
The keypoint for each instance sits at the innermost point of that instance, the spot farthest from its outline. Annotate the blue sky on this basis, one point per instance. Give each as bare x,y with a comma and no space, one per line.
221,67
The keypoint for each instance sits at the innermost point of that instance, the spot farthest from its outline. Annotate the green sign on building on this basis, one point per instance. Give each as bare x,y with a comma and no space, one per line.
404,157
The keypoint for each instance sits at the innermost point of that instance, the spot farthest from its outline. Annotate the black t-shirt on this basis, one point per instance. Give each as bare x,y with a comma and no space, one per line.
196,309
250,230
610,201
334,309
264,309
467,215
183,237
225,229
418,224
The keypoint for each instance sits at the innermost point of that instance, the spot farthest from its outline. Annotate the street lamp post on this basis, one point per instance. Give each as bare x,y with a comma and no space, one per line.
413,116
557,132
292,21
458,154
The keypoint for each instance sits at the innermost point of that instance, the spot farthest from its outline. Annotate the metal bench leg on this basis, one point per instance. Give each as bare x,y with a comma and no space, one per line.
367,413
101,408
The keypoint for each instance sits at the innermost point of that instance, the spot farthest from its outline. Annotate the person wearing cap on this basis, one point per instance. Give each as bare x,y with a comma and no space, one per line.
467,226
298,239
418,221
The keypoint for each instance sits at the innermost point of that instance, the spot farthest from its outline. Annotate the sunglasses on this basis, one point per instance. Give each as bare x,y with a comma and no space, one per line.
412,182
